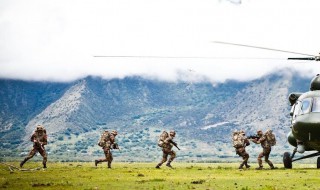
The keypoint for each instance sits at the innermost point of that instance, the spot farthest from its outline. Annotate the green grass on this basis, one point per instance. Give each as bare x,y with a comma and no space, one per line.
83,175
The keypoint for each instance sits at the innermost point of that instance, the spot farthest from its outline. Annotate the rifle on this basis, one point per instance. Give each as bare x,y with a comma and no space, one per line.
174,144
39,144
257,137
116,146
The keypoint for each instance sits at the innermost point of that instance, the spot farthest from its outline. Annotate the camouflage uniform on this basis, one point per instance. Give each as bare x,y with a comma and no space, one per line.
108,143
39,139
167,150
241,151
266,149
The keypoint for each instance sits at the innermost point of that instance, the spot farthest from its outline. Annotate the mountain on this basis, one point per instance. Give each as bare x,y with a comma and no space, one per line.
203,114
20,101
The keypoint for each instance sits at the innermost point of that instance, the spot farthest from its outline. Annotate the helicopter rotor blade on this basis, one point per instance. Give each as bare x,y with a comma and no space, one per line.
258,47
316,58
302,58
152,57
175,57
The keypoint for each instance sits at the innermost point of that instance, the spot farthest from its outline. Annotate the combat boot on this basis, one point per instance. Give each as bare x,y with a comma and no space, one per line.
44,165
241,167
259,168
158,166
109,165
21,163
169,165
96,162
247,166
272,167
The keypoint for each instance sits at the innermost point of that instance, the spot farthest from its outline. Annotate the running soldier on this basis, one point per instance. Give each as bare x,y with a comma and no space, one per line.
107,142
266,148
240,141
39,139
166,143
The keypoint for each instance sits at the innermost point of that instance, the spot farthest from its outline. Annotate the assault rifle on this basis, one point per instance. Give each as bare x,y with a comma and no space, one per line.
256,137
174,144
116,146
38,144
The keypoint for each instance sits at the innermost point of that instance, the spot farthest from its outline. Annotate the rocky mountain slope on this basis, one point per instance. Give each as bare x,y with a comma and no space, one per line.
203,114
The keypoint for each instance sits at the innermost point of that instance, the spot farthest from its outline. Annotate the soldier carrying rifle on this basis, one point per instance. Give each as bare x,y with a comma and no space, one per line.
39,139
107,142
266,140
166,143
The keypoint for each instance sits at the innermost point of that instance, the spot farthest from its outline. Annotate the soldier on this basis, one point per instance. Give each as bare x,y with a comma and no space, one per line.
167,143
241,149
39,139
107,142
266,149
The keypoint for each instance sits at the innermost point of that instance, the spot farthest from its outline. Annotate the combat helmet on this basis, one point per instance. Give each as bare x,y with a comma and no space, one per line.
114,132
259,132
241,132
172,133
39,128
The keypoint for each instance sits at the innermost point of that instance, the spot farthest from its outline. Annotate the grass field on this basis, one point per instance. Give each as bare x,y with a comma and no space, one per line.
83,175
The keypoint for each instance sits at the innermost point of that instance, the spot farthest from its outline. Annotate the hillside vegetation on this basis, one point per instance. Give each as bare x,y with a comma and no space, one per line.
203,114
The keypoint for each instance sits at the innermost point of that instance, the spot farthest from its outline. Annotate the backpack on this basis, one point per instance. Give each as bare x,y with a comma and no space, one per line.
101,141
162,138
238,140
271,139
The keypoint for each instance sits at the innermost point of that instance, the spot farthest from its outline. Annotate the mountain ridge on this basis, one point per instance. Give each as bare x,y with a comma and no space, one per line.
203,114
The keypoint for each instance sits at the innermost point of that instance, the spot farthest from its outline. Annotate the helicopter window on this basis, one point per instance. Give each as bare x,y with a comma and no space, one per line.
306,103
316,105
297,109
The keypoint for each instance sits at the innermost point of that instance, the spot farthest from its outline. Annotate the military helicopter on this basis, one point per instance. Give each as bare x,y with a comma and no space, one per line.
305,123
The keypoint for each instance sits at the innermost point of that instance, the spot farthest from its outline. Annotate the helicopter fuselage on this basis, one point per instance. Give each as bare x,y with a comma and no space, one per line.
305,123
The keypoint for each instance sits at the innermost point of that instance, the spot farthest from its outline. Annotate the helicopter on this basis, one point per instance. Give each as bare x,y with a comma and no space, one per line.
305,123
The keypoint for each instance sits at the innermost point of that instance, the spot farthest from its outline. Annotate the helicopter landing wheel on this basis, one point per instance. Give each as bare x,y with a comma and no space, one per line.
287,161
318,162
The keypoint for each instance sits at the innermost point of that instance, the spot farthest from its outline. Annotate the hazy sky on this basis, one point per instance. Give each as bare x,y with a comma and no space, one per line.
56,40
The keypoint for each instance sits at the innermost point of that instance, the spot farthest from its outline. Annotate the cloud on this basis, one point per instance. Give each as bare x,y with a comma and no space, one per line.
56,40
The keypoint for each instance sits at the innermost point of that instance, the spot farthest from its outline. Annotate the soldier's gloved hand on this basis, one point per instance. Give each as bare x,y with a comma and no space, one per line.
115,146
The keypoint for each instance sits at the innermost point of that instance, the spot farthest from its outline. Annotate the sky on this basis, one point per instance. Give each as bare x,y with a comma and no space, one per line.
47,40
